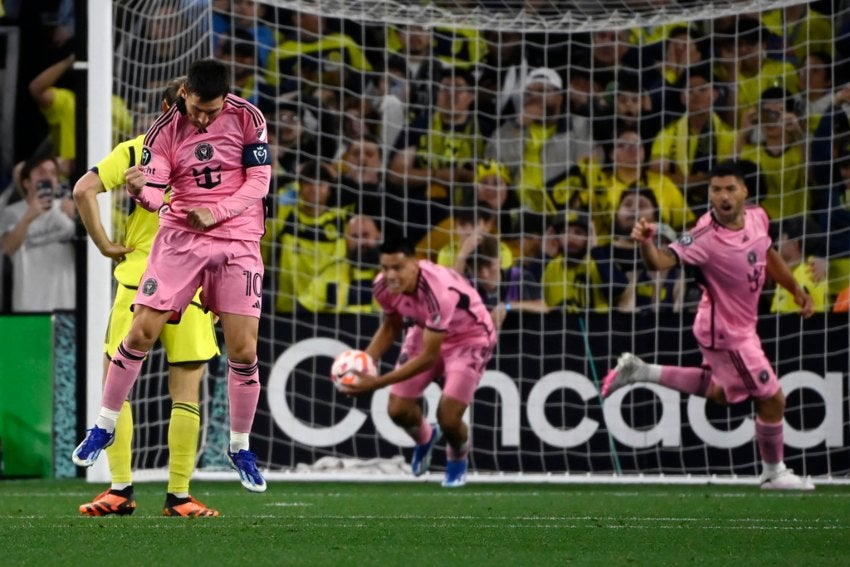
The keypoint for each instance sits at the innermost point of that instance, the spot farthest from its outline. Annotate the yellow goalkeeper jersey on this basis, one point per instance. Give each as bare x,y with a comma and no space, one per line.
141,224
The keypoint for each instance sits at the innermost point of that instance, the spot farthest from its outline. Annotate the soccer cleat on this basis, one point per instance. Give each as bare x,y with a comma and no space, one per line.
785,479
109,502
87,452
245,463
186,508
421,461
455,473
629,369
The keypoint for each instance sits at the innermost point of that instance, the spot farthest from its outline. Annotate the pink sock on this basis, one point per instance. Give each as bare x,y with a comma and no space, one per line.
422,433
688,380
243,389
771,441
123,370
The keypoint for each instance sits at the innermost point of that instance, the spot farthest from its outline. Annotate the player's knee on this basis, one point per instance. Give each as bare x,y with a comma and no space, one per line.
402,412
242,354
449,419
772,409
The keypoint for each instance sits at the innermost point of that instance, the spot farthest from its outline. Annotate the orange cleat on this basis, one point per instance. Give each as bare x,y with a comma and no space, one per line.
108,502
186,507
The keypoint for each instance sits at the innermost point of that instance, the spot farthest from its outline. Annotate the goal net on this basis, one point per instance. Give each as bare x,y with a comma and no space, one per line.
551,126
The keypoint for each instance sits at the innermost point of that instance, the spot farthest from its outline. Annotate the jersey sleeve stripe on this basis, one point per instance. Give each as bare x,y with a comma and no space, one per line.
252,110
160,123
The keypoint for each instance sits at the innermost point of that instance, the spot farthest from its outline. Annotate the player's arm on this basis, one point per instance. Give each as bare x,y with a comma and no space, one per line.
390,329
781,274
85,196
654,257
431,343
258,174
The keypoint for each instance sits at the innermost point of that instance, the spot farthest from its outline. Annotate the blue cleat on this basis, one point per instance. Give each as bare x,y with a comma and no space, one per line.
455,473
422,453
245,463
87,452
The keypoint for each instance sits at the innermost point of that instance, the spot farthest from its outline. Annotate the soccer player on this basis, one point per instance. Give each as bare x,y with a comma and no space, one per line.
731,247
450,338
211,148
188,344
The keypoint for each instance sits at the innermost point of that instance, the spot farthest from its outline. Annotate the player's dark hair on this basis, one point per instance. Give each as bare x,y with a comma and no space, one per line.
208,78
169,93
726,168
397,243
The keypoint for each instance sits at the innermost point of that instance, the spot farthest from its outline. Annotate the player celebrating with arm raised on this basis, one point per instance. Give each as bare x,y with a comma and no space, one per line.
188,344
731,248
211,148
450,337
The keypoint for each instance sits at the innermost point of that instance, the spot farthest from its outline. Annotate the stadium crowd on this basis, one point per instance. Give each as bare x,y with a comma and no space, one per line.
522,160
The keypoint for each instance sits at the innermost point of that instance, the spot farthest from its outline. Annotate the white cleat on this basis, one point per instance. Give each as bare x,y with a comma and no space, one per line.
785,479
629,369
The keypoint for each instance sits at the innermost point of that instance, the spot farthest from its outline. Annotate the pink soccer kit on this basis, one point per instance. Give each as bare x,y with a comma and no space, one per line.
444,302
732,265
224,167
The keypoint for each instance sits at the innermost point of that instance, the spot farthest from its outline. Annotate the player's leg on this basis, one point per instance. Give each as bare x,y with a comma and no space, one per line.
450,417
243,389
404,405
746,373
632,370
121,375
119,497
406,413
188,345
183,430
771,443
464,366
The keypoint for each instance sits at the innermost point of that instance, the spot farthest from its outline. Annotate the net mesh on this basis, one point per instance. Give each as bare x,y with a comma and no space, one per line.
552,124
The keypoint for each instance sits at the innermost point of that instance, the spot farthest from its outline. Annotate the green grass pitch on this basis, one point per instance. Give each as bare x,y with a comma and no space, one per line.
421,523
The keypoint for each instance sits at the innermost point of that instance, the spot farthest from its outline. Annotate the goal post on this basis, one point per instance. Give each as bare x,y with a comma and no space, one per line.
337,79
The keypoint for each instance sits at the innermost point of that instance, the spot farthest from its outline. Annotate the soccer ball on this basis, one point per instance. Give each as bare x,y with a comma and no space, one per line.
342,371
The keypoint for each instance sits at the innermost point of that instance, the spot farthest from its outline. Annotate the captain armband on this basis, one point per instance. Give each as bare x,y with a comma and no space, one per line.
256,154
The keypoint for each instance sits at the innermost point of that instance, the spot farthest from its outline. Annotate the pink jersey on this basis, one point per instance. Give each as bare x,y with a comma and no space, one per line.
444,302
225,167
732,265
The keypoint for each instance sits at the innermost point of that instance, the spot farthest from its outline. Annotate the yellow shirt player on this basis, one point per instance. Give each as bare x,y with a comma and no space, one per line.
188,344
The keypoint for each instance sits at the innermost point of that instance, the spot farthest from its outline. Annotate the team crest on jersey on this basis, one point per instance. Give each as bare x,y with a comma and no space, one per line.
261,134
751,258
149,287
686,239
204,151
146,156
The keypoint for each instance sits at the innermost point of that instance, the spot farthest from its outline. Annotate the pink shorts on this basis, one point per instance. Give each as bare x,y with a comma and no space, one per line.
742,373
230,273
461,366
